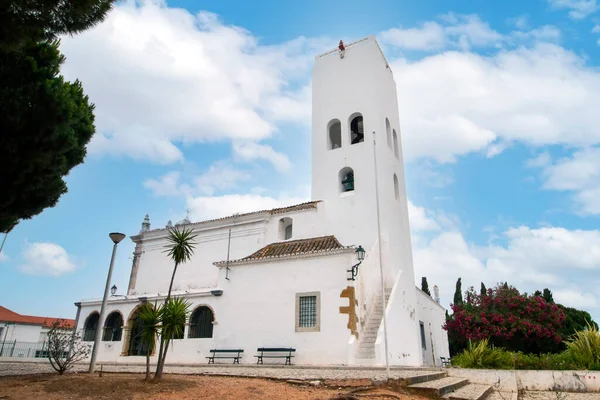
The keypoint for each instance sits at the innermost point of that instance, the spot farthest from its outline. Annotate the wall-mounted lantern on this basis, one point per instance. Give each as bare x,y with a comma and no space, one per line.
360,256
113,290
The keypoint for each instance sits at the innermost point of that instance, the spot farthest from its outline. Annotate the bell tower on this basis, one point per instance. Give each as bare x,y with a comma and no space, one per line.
356,138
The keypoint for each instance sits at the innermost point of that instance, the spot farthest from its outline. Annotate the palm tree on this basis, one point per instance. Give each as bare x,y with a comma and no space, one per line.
180,249
151,323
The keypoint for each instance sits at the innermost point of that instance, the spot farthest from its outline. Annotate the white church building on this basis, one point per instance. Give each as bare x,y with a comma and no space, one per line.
332,278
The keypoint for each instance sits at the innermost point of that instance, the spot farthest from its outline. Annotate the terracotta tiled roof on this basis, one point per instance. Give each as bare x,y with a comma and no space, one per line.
7,315
292,248
273,211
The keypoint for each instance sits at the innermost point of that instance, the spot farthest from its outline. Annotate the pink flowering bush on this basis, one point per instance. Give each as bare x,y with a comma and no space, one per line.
508,319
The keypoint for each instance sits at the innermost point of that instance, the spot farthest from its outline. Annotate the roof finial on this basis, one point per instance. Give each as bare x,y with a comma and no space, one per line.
146,224
341,45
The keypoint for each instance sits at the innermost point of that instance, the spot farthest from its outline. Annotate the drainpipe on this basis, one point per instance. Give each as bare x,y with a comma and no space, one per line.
385,336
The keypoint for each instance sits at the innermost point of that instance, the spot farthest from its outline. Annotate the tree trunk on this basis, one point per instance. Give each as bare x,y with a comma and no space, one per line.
171,285
161,365
148,363
161,353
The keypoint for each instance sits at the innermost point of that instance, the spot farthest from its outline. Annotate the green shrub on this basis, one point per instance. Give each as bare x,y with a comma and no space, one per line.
584,347
480,355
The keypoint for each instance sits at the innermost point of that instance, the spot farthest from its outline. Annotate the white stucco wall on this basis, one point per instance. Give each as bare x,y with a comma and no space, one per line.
257,309
248,234
433,317
21,333
404,345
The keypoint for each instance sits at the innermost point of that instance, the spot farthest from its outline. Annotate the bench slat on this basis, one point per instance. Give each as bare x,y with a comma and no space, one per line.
227,351
273,349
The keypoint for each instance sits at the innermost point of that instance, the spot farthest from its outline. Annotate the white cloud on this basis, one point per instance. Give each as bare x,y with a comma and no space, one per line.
579,9
207,207
575,298
46,259
219,176
420,221
456,103
566,261
169,76
579,173
521,21
461,31
166,185
430,36
249,151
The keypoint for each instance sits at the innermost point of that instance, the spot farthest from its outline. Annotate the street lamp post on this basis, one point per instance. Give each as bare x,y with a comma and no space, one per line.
116,238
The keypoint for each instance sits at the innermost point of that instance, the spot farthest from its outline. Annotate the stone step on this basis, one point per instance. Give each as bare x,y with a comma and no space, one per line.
365,354
472,391
439,387
425,377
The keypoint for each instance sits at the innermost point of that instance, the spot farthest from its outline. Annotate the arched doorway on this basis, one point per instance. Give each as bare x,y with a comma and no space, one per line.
133,343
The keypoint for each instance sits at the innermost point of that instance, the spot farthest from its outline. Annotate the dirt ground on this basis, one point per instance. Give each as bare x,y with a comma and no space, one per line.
182,387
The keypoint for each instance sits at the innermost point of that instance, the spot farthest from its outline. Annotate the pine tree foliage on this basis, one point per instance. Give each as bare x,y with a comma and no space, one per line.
425,286
458,299
46,123
24,21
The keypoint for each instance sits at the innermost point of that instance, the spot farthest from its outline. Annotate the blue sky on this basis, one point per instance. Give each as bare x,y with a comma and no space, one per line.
206,106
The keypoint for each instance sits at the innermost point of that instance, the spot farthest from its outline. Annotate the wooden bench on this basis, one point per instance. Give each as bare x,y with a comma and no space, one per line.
446,362
275,352
226,354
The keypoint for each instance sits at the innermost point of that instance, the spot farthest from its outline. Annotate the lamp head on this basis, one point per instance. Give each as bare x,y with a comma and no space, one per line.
113,289
116,237
360,253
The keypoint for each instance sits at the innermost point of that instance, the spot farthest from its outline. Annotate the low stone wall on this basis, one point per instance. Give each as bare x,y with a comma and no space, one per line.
514,381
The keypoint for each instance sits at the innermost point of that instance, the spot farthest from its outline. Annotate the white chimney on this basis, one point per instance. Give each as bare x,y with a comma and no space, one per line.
436,294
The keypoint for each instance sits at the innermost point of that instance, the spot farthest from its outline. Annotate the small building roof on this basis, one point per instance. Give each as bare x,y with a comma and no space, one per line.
7,315
290,248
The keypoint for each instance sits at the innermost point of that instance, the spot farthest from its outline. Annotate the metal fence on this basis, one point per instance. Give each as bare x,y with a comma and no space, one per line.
19,349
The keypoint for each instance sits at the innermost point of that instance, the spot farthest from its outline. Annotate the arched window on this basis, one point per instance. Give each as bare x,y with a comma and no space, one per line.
334,134
357,131
201,323
113,327
388,132
346,179
90,326
396,187
285,228
395,143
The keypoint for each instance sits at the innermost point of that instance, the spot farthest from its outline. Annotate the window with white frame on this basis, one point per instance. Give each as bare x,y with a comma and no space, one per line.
308,312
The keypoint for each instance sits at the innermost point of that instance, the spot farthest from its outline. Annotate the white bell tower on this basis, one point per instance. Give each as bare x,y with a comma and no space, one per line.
354,103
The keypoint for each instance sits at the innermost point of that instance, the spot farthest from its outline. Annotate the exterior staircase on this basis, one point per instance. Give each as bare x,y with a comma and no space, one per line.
365,352
441,386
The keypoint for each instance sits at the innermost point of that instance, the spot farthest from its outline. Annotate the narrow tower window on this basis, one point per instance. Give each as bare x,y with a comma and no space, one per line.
285,228
357,133
396,187
334,134
346,180
388,132
395,144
